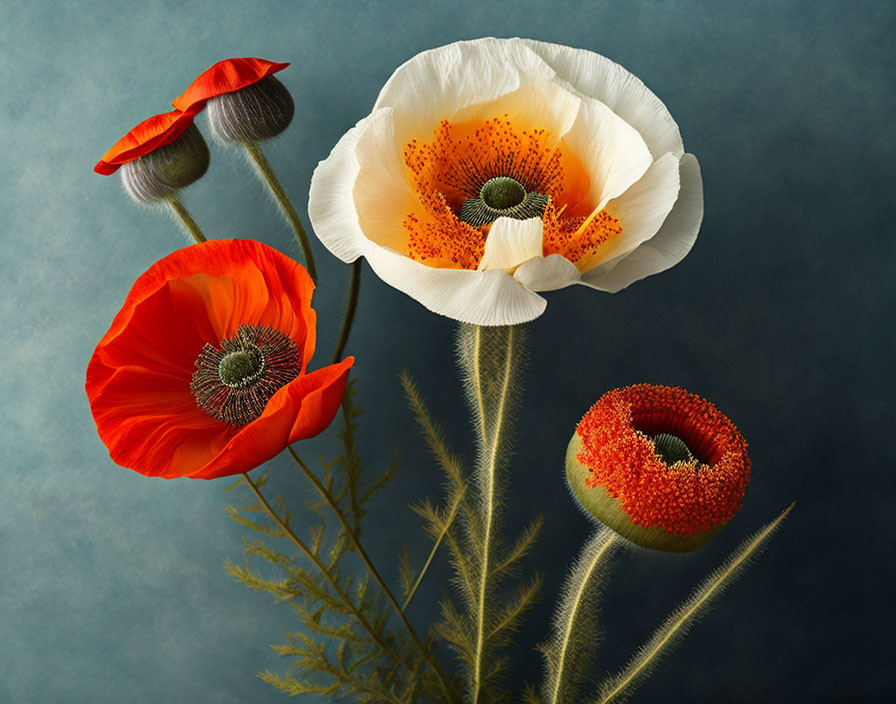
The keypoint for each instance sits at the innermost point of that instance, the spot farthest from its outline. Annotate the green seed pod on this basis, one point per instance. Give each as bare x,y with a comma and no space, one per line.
252,114
164,171
502,196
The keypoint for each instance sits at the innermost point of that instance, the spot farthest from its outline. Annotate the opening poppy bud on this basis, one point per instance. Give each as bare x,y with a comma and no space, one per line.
252,114
163,171
662,467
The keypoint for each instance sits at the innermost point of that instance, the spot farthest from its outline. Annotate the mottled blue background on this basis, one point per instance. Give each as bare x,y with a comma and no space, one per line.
112,586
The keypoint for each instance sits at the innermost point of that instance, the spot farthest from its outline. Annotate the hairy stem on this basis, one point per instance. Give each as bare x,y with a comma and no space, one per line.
311,555
273,183
435,547
185,218
490,454
599,548
371,568
354,287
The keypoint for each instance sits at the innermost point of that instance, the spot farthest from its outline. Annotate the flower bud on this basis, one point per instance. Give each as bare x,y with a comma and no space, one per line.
161,172
660,466
252,114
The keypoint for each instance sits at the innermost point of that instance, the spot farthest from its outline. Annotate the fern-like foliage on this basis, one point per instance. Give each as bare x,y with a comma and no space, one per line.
618,688
491,600
345,648
569,652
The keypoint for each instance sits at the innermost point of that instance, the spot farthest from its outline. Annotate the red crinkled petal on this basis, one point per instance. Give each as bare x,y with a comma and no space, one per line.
225,77
150,422
685,499
149,135
202,294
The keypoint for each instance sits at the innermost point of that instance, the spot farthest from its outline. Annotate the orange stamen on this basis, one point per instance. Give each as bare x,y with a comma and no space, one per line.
462,157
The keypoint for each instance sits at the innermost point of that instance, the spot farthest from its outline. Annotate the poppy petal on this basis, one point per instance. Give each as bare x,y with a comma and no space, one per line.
151,134
225,77
150,422
302,409
201,285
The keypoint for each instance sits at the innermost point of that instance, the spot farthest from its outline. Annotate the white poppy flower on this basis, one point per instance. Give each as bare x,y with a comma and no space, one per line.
495,168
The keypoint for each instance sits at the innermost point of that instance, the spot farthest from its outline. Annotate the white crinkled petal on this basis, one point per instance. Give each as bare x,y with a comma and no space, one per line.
476,297
510,242
612,152
548,106
438,83
547,273
598,77
331,207
641,211
381,193
665,249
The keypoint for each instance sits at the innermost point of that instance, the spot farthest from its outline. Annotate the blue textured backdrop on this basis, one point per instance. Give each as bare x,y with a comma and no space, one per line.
113,587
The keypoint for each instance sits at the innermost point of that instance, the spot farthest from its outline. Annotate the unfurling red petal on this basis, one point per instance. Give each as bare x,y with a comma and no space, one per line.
300,410
225,77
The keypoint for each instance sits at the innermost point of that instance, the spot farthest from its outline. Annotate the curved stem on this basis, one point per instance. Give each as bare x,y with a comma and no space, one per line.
487,479
599,546
185,218
273,183
310,554
354,287
368,563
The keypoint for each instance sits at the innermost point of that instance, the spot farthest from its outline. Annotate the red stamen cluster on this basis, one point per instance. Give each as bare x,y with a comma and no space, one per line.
686,498
461,158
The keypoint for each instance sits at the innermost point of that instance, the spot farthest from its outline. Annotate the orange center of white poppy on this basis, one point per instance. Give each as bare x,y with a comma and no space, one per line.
473,172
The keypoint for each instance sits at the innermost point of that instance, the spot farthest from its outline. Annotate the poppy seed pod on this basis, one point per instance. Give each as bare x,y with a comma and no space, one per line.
164,171
660,466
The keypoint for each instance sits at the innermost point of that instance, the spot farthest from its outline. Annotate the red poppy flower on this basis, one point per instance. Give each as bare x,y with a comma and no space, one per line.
204,370
149,135
225,77
659,465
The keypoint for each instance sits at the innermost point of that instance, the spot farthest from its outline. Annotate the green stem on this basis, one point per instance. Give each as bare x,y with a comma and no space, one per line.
354,287
273,183
599,546
435,548
490,448
368,563
185,218
311,555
